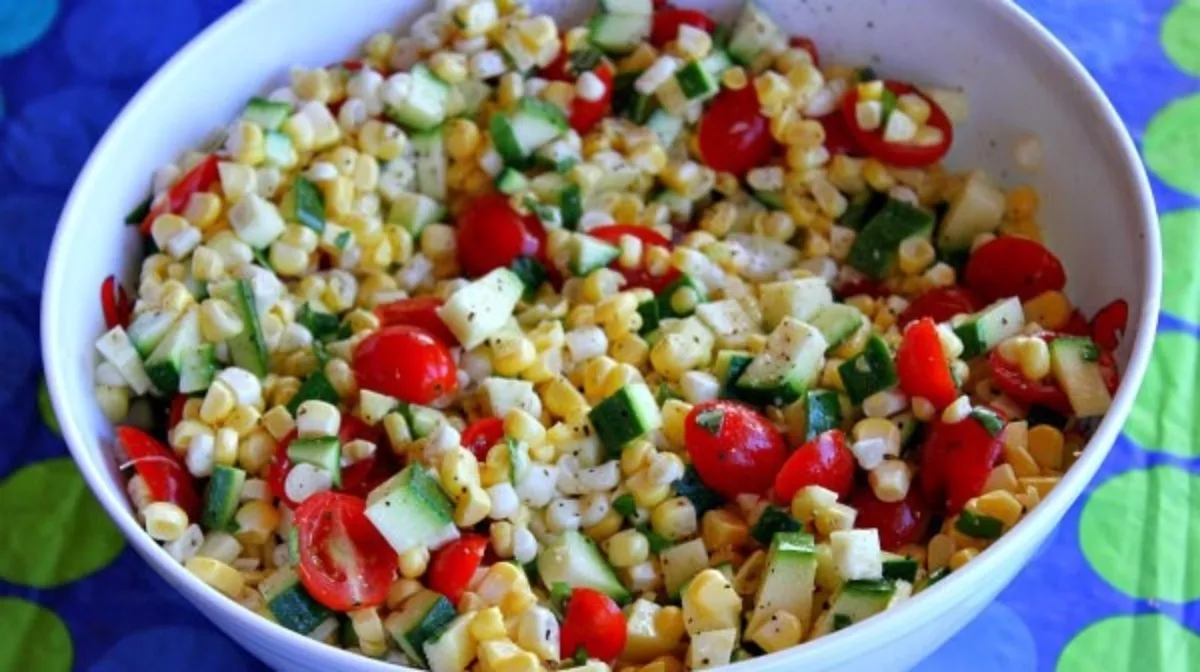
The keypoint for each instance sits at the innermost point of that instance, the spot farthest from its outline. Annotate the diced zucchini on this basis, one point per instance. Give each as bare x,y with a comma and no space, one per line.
309,204
696,82
800,298
822,411
429,150
987,328
1075,364
424,105
868,372
117,350
323,452
415,211
681,562
837,322
198,368
573,559
269,114
977,208
483,307
627,415
510,181
290,603
249,348
410,510
420,619
222,497
791,362
875,249
619,33
589,253
789,579
148,329
165,364
854,602
535,124
753,34
666,126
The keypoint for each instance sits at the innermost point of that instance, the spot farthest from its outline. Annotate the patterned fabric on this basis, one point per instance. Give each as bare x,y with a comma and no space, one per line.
1111,587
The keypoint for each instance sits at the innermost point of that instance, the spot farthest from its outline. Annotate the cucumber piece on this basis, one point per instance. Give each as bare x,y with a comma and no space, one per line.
316,386
165,364
875,249
429,150
702,497
681,563
324,452
789,579
573,559
535,124
773,521
589,253
822,412
309,204
290,603
899,567
868,372
978,526
420,619
800,298
651,312
753,34
222,497
559,156
728,367
198,369
855,601
1074,362
570,201
861,209
279,150
986,329
424,105
256,221
117,350
415,211
642,7
791,362
510,181
532,274
518,459
471,93
619,33
248,349
483,307
410,510
717,62
148,329
977,208
629,414
666,126
696,82
453,648
269,114
837,323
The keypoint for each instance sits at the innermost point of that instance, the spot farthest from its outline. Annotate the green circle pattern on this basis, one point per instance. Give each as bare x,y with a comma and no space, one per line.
1181,36
1171,145
33,638
1181,275
1162,418
54,531
1134,532
1146,642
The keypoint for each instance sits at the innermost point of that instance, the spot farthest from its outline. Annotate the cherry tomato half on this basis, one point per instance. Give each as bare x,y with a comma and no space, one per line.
1012,266
734,135
161,469
898,154
806,43
839,139
492,235
1108,326
1008,378
668,20
1077,325
956,460
420,312
824,461
453,565
592,621
278,468
407,363
941,304
734,448
922,367
200,178
363,476
481,435
587,113
345,563
637,277
899,523
115,303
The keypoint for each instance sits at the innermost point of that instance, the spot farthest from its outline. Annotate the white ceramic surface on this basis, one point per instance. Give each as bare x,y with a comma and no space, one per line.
1097,209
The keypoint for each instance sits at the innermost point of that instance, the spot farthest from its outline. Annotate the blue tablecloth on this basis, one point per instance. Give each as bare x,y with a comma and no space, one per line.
1113,586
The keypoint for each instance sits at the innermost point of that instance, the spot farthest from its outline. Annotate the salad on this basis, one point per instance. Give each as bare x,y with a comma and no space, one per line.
646,345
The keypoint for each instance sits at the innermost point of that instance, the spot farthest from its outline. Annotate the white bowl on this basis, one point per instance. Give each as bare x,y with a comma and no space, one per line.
1098,213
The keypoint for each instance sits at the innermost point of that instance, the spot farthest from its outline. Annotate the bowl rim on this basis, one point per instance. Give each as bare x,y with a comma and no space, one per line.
924,606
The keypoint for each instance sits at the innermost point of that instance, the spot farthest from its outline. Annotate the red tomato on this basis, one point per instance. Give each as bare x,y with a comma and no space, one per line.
899,523
922,367
481,435
453,565
593,621
637,277
894,153
734,134
492,235
345,563
667,22
115,303
200,178
941,304
558,70
956,461
839,139
278,468
1012,266
1108,326
1077,325
176,412
1009,379
361,477
420,312
161,469
587,113
824,461
407,363
805,43
734,448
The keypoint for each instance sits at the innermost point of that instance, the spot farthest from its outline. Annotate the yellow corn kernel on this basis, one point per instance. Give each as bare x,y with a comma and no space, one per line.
1000,505
636,457
449,66
203,209
630,349
721,528
1051,309
627,548
278,421
674,414
187,430
674,518
1042,484
941,548
914,106
243,420
459,470
165,521
962,557
247,144
1016,450
488,625
473,507
1021,203
463,139
255,451
219,402
563,399
877,176
382,140
512,354
314,84
916,254
646,493
609,525
217,574
1046,445
414,562
256,522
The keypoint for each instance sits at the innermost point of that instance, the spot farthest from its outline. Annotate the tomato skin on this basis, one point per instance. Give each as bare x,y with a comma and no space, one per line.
587,113
668,20
922,367
361,477
453,565
1011,266
744,454
405,362
1109,323
345,563
115,303
839,139
941,304
824,461
734,135
481,435
1008,378
907,155
200,178
492,235
1077,325
807,44
899,523
161,469
420,312
593,621
176,412
637,277
956,460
